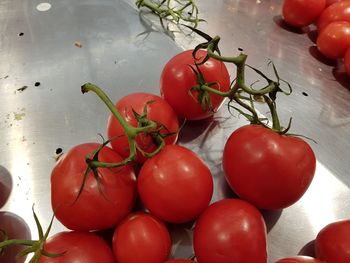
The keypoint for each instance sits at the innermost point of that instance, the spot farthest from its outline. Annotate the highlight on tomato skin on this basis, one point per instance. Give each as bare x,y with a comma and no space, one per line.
300,13
338,11
141,238
101,204
299,259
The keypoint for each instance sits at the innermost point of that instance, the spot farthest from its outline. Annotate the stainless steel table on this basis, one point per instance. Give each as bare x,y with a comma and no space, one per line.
48,50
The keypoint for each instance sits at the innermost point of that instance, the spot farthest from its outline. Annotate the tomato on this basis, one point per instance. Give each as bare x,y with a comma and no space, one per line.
175,185
347,61
330,2
77,247
179,261
230,230
332,243
334,39
158,110
92,210
269,170
300,13
339,11
141,238
299,259
178,78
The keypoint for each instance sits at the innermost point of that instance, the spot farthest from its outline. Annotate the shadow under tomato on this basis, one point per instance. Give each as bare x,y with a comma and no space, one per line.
308,249
16,228
342,77
318,55
5,185
279,21
313,34
271,218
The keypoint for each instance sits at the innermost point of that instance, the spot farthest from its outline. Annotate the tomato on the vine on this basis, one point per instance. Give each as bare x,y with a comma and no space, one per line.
158,110
77,247
141,238
230,230
178,79
347,61
175,185
299,259
339,11
269,170
332,243
300,13
102,203
334,39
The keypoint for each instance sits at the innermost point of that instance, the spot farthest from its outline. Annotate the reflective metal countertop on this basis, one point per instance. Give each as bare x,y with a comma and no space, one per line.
47,51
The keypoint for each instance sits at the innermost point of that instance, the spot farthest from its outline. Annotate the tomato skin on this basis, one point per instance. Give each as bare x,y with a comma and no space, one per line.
347,61
269,170
334,39
339,11
300,13
330,2
77,247
144,234
175,185
299,259
159,111
179,261
92,210
177,79
332,243
230,230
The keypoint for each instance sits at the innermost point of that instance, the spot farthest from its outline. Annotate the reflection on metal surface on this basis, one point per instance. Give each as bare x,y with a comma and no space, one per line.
43,7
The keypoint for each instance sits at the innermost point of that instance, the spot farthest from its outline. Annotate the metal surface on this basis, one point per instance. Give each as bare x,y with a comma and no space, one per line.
74,42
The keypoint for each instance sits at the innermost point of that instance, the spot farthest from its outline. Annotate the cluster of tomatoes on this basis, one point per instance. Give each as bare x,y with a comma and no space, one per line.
332,19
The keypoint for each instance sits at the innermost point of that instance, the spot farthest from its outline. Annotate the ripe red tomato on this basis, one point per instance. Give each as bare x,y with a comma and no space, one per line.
332,243
77,247
347,61
301,13
269,170
92,210
339,11
143,234
177,79
230,230
175,185
334,39
299,259
330,2
159,111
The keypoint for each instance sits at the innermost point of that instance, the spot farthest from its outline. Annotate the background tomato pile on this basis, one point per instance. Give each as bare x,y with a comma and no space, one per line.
332,19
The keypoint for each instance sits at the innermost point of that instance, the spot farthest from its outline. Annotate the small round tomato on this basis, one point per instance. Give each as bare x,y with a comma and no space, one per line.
141,238
339,11
230,230
332,243
269,170
334,39
175,185
178,78
300,13
77,247
299,259
347,61
158,110
101,204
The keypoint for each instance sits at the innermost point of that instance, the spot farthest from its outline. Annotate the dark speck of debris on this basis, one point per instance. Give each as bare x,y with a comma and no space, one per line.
37,84
240,49
305,94
21,34
59,150
5,77
22,89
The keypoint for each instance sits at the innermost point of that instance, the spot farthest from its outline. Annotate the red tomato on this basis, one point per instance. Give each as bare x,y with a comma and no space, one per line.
77,247
230,230
332,243
179,261
92,210
141,238
175,185
334,39
301,13
347,61
299,259
159,111
269,170
339,11
177,79
330,2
